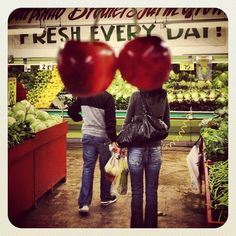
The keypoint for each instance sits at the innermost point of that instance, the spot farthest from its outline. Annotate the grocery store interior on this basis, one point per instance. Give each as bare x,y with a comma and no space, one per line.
44,144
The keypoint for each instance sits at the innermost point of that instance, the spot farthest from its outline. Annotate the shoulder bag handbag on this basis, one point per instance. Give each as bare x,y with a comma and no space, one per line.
142,129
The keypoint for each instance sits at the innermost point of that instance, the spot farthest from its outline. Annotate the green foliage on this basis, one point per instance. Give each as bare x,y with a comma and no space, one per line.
18,132
185,90
121,91
40,83
218,186
214,132
28,79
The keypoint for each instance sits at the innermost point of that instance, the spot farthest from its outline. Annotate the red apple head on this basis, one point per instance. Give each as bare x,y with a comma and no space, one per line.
86,68
145,62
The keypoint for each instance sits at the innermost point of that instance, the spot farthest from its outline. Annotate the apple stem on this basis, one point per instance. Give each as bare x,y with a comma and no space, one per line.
135,18
96,21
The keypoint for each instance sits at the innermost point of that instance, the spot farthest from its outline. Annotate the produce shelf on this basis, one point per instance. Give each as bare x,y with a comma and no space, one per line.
210,212
122,114
34,167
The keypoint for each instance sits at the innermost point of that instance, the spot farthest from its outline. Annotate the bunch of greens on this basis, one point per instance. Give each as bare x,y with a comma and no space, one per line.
18,132
218,186
214,132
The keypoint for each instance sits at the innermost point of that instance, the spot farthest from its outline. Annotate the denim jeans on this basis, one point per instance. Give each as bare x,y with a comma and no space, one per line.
144,160
94,147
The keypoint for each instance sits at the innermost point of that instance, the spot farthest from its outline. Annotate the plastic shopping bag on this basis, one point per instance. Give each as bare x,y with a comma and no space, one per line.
123,177
194,162
112,167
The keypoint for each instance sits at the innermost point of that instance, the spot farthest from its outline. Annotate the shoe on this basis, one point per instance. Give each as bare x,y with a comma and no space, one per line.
84,209
109,201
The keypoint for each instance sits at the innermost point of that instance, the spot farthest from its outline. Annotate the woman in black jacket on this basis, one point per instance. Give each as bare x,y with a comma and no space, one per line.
146,159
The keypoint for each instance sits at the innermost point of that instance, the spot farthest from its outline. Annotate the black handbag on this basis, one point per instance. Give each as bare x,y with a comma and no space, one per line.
142,129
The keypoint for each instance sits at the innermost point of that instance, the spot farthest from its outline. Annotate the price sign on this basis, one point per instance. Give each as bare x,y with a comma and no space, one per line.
186,65
11,91
44,66
204,67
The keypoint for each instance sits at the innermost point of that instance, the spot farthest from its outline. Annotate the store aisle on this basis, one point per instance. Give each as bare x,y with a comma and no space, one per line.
180,208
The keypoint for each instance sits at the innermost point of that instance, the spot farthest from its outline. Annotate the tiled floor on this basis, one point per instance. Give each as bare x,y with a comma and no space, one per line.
58,209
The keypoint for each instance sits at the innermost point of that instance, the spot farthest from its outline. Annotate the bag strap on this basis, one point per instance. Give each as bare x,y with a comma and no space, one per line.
144,105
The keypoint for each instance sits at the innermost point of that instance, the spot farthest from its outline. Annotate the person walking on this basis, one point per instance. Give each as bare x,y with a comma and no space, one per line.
99,130
146,158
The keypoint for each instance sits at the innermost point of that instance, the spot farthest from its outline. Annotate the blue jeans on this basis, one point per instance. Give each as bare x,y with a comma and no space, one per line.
93,147
148,161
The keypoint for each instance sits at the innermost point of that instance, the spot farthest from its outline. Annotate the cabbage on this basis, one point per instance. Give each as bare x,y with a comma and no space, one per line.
19,107
11,121
50,122
10,112
19,115
42,115
31,110
30,118
37,126
57,118
26,104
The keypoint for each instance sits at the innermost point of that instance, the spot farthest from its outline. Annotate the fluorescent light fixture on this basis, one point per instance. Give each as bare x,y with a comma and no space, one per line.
25,31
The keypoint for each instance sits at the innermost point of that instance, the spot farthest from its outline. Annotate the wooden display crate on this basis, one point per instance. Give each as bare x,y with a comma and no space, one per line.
34,167
211,213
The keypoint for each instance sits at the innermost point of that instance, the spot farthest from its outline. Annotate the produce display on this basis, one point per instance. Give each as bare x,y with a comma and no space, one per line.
86,68
121,91
185,90
24,120
218,184
45,88
145,62
214,132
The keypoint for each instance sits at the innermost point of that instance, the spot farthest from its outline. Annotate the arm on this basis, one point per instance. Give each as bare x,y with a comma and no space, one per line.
166,117
110,119
130,111
73,111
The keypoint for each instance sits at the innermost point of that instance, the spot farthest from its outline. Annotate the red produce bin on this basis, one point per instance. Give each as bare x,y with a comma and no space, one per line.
34,167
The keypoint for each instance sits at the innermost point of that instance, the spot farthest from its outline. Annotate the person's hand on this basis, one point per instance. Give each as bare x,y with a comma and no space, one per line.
123,152
115,148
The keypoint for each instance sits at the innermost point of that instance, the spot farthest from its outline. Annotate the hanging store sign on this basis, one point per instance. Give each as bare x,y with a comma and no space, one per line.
115,26
76,16
116,34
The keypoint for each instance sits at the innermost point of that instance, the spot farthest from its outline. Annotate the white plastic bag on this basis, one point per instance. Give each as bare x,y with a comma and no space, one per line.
112,167
194,164
123,177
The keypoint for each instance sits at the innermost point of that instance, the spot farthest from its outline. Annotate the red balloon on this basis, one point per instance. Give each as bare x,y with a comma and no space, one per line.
86,68
145,62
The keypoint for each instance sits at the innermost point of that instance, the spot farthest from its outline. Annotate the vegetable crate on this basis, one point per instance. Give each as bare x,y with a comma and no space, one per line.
213,216
34,167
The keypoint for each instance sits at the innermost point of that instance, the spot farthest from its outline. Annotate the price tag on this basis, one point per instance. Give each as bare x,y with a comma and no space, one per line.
186,66
11,91
44,66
